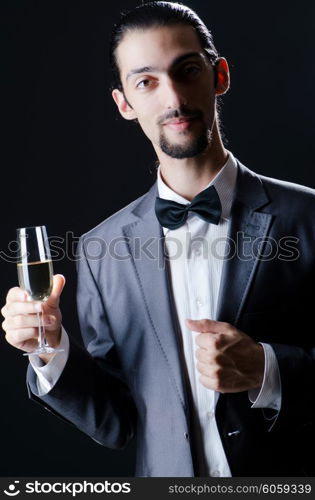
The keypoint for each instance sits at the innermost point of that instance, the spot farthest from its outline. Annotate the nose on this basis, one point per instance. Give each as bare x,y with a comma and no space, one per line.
172,96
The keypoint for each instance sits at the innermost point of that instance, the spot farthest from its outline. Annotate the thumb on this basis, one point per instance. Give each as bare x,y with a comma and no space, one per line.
58,283
202,325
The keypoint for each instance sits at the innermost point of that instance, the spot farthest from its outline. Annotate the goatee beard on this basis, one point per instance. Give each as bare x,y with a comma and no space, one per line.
194,148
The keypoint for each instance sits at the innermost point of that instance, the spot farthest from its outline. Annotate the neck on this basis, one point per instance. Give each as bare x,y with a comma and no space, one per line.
189,176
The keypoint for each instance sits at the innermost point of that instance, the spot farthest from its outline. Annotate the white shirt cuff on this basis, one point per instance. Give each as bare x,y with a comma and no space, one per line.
47,375
269,394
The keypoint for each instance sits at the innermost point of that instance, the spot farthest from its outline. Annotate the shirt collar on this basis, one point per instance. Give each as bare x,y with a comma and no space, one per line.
224,182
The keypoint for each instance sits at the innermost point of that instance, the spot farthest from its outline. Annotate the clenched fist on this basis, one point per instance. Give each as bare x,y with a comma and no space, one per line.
20,318
228,359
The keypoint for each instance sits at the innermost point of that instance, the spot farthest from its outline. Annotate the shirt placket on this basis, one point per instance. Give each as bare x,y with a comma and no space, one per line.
201,308
202,302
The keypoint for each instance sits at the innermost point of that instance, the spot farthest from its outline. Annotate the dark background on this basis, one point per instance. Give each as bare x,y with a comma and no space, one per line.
68,160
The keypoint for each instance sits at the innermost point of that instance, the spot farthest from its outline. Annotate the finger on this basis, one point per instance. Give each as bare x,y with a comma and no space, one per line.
18,337
58,285
208,382
213,380
203,355
215,359
208,326
28,345
16,294
17,308
206,341
214,342
28,321
51,323
204,369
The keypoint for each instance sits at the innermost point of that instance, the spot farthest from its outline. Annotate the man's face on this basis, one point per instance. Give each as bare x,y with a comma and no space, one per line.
169,83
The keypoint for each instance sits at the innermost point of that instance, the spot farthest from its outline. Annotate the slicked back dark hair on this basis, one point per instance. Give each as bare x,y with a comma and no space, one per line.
156,14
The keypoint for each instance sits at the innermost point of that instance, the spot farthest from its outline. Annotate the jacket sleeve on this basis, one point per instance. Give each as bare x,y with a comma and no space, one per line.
91,392
297,375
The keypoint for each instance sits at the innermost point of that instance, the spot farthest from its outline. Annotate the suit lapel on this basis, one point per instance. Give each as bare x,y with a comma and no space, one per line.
248,227
146,245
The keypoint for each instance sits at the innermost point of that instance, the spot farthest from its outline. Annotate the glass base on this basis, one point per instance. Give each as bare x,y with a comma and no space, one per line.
43,350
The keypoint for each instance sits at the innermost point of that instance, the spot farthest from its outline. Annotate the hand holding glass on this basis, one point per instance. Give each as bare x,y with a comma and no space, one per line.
35,273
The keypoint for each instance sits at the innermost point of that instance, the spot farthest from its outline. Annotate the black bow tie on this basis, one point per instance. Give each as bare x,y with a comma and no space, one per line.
206,205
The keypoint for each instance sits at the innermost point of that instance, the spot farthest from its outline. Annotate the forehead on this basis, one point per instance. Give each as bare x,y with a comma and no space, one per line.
161,45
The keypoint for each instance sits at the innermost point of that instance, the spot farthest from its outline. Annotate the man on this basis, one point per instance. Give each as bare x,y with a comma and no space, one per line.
194,300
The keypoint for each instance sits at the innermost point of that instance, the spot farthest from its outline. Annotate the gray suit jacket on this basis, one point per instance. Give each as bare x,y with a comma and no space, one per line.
131,379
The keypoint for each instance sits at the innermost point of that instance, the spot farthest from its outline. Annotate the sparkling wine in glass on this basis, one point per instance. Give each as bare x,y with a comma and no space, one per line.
35,273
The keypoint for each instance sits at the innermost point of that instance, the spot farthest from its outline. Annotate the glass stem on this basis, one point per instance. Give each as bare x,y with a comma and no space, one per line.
41,330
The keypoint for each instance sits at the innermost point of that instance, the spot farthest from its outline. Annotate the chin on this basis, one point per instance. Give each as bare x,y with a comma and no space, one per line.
189,148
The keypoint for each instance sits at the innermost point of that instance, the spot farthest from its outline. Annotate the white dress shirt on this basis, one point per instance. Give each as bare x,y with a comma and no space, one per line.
196,255
47,375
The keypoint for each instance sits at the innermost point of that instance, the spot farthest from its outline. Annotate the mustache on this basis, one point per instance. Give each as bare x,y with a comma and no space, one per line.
181,112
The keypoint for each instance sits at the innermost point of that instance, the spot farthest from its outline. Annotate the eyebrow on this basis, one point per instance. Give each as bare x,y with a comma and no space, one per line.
177,60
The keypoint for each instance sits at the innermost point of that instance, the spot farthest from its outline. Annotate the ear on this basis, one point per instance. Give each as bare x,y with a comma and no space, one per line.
222,76
124,108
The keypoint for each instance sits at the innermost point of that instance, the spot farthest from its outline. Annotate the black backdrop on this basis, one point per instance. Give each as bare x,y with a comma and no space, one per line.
68,160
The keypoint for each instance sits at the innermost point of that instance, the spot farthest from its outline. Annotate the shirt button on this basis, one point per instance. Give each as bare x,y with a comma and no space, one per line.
215,473
210,415
199,302
186,436
197,251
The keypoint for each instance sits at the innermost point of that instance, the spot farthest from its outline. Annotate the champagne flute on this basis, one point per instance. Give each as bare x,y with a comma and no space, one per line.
35,273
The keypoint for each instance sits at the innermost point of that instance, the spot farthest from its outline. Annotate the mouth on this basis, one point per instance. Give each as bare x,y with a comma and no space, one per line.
179,124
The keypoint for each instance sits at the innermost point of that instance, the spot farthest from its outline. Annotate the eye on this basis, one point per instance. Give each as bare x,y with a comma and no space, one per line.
143,83
191,70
